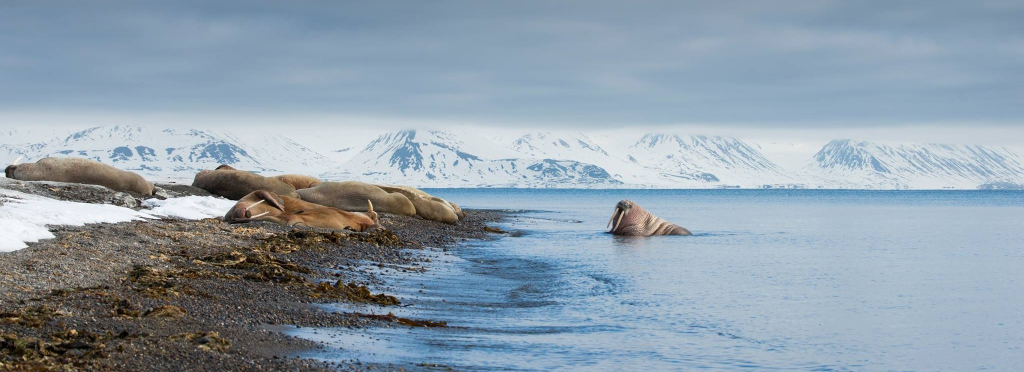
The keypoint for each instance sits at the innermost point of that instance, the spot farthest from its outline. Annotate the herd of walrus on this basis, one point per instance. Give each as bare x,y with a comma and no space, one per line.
300,200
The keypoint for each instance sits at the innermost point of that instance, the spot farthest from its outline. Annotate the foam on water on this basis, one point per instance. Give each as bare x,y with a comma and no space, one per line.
772,280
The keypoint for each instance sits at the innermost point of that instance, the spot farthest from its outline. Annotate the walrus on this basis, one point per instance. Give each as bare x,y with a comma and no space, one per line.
321,217
263,202
78,170
458,210
236,184
455,207
631,219
428,207
351,196
298,181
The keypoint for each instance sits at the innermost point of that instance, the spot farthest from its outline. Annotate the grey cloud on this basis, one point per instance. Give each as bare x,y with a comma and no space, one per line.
604,63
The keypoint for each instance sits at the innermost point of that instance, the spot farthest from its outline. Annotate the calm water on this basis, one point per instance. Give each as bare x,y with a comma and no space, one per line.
773,280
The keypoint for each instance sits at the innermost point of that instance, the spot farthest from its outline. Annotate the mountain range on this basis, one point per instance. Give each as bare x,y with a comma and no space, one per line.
432,158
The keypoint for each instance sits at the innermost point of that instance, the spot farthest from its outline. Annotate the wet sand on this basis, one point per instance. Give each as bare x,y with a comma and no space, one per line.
173,294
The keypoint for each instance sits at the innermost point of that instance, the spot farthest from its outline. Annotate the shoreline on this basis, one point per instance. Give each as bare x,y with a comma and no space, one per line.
199,295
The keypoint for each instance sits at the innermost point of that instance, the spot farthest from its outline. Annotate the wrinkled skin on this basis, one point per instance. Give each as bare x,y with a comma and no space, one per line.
632,220
266,206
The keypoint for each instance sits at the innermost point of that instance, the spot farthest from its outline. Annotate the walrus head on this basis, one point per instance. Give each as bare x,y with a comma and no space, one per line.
625,210
9,171
225,167
247,210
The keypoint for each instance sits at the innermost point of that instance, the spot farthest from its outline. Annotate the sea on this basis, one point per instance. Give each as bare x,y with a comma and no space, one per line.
771,280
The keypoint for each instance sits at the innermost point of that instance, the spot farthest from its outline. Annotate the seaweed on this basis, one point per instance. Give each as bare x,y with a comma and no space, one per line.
274,274
351,292
154,282
299,239
64,351
305,239
124,309
494,230
262,266
391,317
380,237
165,311
34,317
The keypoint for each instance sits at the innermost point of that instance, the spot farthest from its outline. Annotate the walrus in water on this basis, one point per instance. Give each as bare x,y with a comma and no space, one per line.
236,184
298,181
352,195
318,216
630,219
428,207
78,170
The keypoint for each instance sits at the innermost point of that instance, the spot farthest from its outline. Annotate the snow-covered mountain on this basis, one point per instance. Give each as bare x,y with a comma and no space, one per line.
580,147
705,160
568,146
430,158
175,152
443,159
863,164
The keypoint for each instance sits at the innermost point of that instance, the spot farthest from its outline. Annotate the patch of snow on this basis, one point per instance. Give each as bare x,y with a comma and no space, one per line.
24,217
190,207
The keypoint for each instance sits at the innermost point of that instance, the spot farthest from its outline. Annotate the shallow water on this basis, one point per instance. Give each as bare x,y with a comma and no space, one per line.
772,280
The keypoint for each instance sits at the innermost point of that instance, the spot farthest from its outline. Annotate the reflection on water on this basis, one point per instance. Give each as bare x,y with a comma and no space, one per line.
797,280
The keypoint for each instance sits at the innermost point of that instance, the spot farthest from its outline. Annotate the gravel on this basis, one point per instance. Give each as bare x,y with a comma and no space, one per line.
210,288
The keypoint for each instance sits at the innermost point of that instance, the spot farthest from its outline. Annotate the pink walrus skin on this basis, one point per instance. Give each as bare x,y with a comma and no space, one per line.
632,220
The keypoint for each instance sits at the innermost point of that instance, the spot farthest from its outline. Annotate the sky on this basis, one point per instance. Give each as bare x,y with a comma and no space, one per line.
948,71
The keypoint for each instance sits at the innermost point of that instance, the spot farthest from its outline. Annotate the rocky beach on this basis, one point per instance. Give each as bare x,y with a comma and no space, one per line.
200,295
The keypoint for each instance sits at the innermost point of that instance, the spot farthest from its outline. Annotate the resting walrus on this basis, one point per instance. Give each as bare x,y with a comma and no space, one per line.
279,209
298,181
352,196
78,170
236,184
630,219
263,202
428,207
325,218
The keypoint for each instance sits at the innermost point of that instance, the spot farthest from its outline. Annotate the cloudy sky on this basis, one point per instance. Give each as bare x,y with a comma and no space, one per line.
928,70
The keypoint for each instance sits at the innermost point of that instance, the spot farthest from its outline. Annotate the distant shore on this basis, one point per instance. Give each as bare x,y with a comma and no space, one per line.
197,295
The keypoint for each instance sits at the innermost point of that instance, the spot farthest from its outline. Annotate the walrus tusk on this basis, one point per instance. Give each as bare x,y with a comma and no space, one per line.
17,160
258,215
619,221
612,218
371,205
254,204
